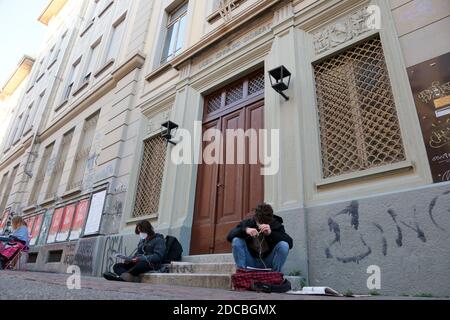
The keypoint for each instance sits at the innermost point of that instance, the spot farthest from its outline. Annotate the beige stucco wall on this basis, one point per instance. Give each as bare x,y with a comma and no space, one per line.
287,24
135,95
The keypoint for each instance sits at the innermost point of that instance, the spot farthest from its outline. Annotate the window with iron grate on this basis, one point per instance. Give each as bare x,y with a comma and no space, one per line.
359,128
150,177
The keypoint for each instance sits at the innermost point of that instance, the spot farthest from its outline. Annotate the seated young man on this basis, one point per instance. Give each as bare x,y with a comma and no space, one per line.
260,242
149,255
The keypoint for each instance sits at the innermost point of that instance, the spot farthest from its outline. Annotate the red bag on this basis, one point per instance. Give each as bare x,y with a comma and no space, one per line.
244,279
10,250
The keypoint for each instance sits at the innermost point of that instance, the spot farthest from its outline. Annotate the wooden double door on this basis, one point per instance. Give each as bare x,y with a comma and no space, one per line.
227,193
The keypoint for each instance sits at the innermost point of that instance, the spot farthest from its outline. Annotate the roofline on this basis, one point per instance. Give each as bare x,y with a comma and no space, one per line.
22,70
52,9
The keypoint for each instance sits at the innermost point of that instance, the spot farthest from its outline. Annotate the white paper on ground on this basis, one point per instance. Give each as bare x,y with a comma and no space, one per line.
316,291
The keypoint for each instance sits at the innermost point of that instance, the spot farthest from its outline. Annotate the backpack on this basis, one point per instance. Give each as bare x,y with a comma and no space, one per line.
174,250
260,281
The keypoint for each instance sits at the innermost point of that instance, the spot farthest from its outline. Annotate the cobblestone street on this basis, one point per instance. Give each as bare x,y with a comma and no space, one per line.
47,286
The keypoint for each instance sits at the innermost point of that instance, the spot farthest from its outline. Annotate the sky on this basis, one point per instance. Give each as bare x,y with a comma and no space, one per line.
20,33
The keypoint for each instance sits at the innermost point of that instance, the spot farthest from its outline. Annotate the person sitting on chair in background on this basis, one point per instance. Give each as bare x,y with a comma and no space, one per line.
19,235
260,242
148,256
20,231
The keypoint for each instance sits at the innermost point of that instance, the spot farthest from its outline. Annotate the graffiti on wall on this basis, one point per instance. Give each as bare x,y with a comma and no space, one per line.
69,253
347,236
114,245
84,256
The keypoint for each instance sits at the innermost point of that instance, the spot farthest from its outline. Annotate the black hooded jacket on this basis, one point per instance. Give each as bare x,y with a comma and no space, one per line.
278,234
152,249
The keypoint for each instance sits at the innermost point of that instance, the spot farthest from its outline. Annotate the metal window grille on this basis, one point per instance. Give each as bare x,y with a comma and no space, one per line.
214,103
359,128
40,175
150,177
256,84
82,156
59,165
235,93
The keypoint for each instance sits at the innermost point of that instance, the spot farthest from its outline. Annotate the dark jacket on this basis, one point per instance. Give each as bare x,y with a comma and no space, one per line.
152,249
278,234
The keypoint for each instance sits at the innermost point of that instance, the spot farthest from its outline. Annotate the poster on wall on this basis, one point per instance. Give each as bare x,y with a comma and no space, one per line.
30,223
95,213
79,219
47,220
54,227
63,233
36,229
4,221
430,83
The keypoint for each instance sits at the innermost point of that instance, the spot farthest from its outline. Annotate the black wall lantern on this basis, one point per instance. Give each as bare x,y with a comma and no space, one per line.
280,78
166,132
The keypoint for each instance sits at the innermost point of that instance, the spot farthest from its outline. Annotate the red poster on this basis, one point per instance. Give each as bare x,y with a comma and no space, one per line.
80,218
54,227
30,223
36,229
4,221
63,233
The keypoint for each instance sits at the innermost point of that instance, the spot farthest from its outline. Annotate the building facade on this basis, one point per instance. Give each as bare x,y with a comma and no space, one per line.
355,179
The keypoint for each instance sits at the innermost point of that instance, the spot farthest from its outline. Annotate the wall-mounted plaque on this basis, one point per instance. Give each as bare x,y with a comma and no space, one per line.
95,213
430,83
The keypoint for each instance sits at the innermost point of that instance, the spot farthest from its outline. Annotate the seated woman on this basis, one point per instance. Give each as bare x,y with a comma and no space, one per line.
149,255
17,240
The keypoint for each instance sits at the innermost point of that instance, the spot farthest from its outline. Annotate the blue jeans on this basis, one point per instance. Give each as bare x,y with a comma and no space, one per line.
243,259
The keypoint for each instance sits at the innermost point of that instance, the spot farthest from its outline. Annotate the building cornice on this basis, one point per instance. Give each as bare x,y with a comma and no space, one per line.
23,69
15,154
218,34
51,10
136,61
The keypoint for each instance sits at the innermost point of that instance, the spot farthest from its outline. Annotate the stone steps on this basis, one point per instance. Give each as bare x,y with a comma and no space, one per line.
210,258
209,268
205,271
200,280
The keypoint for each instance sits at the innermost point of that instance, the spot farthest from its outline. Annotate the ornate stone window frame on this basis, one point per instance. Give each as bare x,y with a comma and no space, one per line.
315,46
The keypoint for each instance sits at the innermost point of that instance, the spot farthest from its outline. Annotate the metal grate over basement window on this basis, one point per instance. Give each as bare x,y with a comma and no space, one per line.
359,128
150,177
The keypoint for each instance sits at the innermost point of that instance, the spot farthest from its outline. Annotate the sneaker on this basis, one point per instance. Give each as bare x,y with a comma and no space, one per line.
112,276
128,277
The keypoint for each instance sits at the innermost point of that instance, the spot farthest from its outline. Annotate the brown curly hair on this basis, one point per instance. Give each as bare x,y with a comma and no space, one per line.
264,213
144,226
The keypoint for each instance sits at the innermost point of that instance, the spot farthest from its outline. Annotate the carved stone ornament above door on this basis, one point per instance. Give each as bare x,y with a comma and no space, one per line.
345,29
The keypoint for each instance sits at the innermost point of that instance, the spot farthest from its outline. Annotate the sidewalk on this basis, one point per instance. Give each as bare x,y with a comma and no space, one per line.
48,286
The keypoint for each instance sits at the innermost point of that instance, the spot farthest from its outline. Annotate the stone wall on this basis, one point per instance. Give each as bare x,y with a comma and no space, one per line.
406,234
